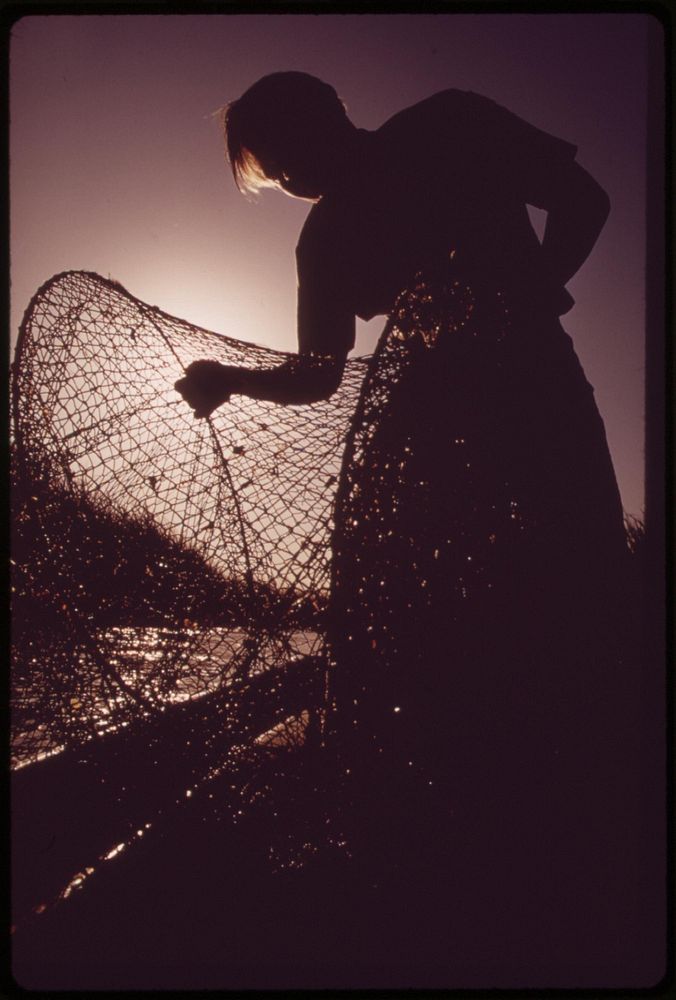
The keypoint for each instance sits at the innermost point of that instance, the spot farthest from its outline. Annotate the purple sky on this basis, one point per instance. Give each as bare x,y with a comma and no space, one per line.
117,163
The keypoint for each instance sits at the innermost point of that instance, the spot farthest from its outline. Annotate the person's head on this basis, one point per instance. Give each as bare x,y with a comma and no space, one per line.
285,131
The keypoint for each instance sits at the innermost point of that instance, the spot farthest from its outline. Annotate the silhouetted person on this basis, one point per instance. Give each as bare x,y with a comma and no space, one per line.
481,679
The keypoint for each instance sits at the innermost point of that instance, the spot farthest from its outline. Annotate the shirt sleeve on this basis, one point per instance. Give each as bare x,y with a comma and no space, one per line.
326,316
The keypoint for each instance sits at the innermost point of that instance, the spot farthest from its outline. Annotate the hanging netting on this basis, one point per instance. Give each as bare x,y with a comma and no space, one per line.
162,563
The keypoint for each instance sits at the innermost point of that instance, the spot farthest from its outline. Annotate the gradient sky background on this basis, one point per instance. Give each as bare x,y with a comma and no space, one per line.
117,164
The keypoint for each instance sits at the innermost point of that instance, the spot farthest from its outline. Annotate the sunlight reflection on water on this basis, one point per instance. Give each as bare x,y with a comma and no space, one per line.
166,666
208,658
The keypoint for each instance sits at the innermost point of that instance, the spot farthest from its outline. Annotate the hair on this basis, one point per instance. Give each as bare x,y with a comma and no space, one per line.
272,115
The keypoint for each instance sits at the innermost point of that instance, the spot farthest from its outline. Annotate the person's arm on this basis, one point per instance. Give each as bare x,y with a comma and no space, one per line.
307,378
541,170
325,325
577,208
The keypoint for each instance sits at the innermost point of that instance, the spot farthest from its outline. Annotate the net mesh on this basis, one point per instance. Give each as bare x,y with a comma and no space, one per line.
332,626
158,560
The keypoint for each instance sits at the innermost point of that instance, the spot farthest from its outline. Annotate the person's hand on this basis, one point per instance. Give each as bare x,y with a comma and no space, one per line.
208,384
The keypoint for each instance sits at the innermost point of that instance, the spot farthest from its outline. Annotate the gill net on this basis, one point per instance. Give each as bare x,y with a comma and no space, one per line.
274,611
164,568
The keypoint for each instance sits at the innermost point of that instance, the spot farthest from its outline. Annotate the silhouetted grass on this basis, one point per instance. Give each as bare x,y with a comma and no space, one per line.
75,559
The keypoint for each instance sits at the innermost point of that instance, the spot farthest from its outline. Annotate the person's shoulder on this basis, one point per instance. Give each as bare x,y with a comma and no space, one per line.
444,102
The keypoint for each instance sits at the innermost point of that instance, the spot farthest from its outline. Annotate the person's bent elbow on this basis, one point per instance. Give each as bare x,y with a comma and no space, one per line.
602,203
589,194
319,376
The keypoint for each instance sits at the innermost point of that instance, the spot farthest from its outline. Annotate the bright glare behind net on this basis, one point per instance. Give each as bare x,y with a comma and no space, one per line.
157,558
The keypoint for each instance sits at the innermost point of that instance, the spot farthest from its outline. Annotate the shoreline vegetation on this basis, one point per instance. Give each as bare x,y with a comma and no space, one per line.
74,558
